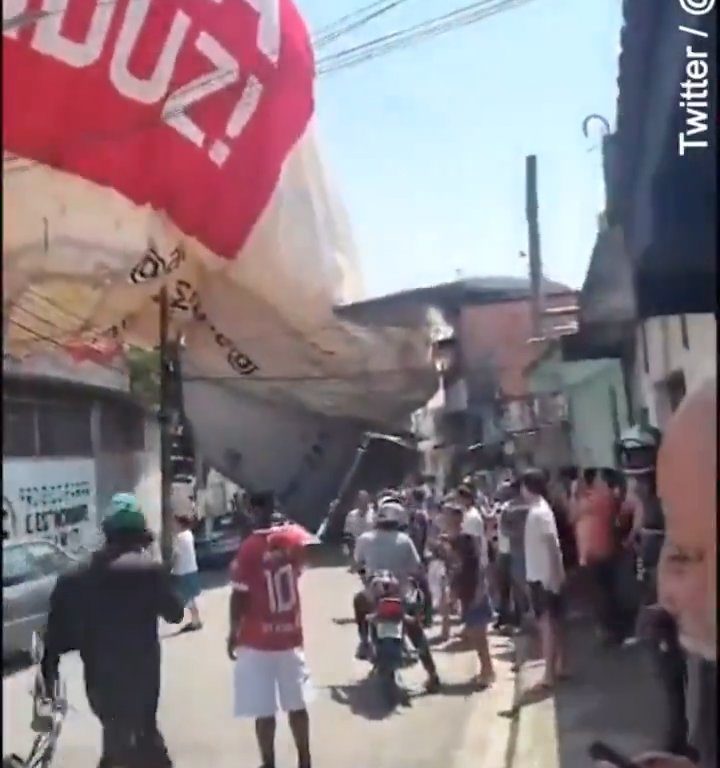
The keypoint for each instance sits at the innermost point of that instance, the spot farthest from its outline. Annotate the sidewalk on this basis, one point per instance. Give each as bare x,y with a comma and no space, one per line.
612,696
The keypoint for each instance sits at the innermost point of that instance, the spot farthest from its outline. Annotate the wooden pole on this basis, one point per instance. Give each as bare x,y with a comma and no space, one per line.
166,514
534,258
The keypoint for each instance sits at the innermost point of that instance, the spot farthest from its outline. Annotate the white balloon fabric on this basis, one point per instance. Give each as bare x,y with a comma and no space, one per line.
153,143
169,143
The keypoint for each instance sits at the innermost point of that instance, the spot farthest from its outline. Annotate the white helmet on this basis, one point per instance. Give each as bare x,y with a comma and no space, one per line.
389,510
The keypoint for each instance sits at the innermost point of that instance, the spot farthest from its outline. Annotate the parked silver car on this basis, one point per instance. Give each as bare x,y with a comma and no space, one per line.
29,572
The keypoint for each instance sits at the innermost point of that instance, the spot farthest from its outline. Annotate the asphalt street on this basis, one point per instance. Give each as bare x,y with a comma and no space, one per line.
459,727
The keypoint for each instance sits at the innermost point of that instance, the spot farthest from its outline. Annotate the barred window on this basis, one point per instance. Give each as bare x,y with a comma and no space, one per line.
64,429
122,427
19,428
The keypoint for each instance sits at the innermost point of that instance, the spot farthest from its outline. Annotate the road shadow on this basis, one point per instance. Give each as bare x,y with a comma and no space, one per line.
463,689
614,696
505,655
527,698
215,578
364,699
454,645
15,664
344,621
326,556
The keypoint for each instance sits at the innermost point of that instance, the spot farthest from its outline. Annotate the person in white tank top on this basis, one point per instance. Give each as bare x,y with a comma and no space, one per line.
185,571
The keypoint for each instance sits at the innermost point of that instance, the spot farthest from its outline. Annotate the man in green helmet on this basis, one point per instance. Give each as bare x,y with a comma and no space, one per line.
108,610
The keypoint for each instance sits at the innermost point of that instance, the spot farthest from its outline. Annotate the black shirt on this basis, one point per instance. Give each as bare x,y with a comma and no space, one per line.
108,610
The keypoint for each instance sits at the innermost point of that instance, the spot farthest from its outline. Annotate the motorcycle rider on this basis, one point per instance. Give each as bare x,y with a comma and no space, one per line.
387,548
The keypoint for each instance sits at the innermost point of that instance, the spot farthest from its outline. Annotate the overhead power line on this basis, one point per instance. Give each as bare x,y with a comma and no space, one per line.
354,21
54,342
348,18
344,59
339,378
403,38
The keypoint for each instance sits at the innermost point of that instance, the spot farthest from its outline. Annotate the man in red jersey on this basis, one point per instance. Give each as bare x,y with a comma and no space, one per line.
266,640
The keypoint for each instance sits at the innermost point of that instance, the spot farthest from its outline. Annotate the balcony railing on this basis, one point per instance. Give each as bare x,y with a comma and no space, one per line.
526,414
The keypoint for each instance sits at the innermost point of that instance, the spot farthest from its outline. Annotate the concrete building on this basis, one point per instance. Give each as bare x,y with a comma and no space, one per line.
675,353
72,437
650,295
485,414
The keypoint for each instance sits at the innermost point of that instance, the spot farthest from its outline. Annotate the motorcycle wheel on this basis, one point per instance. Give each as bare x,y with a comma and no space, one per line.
389,686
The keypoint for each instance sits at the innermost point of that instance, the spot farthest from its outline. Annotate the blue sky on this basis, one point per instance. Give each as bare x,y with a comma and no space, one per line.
427,145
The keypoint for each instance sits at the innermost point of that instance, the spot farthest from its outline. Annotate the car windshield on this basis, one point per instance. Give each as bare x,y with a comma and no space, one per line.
225,524
18,566
50,560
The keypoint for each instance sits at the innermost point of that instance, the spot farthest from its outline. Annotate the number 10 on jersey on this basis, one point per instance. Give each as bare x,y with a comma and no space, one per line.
282,595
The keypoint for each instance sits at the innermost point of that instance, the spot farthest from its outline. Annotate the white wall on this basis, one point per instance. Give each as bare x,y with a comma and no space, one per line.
666,354
64,498
51,498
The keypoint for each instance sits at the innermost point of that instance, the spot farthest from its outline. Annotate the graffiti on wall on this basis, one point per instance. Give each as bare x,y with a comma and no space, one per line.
49,499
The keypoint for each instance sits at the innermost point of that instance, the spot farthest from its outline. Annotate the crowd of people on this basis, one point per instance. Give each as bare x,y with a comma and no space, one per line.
513,558
598,543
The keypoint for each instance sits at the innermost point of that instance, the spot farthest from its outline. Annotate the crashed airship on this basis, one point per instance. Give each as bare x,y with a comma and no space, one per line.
152,144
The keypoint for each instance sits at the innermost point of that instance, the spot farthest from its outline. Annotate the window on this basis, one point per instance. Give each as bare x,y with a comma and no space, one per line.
684,332
64,429
122,427
49,560
18,567
19,428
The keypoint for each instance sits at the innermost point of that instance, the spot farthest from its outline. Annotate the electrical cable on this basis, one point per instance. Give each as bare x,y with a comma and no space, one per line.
59,345
413,35
348,18
306,378
325,39
325,65
414,28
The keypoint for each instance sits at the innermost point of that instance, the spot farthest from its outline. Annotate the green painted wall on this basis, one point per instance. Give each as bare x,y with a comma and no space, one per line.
591,387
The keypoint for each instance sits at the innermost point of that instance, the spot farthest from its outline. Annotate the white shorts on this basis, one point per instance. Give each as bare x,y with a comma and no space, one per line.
266,681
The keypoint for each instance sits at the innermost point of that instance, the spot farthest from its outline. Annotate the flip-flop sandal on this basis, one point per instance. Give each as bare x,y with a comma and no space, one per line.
541,687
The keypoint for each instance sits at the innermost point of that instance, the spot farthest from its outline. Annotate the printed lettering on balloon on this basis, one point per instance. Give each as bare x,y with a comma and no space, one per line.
182,297
231,79
152,265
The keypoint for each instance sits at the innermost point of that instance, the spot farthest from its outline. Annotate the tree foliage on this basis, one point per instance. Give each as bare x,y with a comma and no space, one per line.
144,368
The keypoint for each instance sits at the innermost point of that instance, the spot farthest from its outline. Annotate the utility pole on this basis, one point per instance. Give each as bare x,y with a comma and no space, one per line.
534,260
166,514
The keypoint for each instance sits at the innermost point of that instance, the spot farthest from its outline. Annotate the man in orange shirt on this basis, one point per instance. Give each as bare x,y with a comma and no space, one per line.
593,514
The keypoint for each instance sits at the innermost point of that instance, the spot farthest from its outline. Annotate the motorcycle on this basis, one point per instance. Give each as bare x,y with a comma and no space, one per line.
387,631
48,715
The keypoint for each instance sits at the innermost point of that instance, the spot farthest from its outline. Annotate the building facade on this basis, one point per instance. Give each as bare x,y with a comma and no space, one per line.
651,288
72,437
485,414
597,410
675,354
